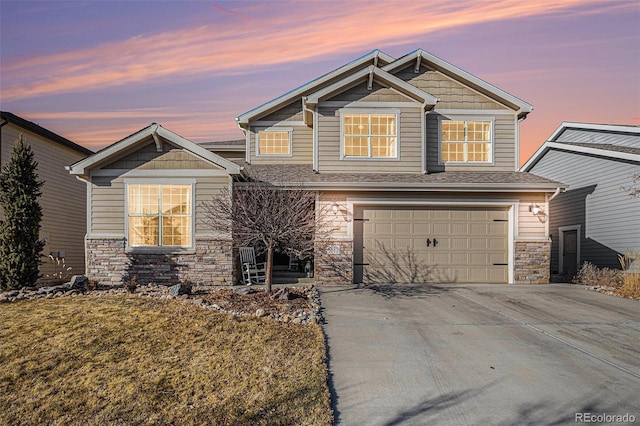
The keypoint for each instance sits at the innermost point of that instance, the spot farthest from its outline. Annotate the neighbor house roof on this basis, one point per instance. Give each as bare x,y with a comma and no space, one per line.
141,137
605,140
41,131
302,174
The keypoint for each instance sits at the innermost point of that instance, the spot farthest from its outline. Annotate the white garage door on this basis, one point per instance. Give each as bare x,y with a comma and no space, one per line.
465,245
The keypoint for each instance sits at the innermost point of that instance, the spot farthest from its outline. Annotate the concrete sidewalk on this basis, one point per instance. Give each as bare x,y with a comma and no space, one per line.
480,354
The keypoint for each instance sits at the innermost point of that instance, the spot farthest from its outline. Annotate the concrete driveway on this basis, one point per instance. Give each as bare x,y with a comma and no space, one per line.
481,354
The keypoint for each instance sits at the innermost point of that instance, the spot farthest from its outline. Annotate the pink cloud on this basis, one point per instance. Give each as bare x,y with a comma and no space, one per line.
229,48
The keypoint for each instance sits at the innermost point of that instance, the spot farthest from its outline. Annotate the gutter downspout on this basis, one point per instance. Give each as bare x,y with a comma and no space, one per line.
555,194
314,133
247,147
423,136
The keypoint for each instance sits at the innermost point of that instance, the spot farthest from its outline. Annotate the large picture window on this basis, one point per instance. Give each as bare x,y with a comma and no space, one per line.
159,215
370,135
465,141
274,142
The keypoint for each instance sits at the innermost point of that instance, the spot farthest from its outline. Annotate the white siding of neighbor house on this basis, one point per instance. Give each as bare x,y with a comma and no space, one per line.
598,136
612,219
63,199
107,193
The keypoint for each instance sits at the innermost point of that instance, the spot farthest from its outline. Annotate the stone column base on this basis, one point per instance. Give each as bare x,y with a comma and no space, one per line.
333,262
532,262
212,262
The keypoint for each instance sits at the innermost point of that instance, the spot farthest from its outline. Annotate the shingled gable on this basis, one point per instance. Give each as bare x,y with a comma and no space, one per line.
373,74
420,57
159,134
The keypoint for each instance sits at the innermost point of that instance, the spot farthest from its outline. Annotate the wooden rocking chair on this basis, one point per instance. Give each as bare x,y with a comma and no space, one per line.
252,272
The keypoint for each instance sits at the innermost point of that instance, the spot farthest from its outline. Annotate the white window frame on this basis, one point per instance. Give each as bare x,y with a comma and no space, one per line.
465,118
348,111
288,130
162,181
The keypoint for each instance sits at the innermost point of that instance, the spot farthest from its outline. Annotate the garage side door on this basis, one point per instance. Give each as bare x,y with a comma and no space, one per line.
465,245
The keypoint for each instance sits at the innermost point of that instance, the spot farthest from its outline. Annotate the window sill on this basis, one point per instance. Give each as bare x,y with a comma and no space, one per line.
160,250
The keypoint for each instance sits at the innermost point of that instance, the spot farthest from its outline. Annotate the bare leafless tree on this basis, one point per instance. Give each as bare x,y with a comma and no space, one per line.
270,218
633,190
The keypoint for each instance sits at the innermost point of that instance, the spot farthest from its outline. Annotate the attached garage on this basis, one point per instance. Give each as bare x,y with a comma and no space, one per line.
461,244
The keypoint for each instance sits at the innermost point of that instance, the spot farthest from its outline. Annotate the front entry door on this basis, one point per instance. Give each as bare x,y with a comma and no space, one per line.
569,253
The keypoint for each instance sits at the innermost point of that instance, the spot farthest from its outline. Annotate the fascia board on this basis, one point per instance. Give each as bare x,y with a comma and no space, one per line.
384,76
591,126
305,88
391,186
463,76
535,157
230,167
80,167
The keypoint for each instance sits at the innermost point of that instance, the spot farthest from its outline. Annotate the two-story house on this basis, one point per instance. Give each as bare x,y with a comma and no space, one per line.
416,158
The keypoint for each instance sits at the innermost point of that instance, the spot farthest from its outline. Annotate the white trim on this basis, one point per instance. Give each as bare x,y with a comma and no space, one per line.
475,111
561,231
276,123
362,104
462,76
288,130
315,154
157,180
423,138
516,126
369,111
402,86
104,236
511,204
540,152
159,173
300,91
478,118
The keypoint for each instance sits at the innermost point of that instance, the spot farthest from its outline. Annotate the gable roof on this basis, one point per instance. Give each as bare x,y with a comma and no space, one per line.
302,174
376,74
425,58
384,66
141,137
613,141
374,57
41,131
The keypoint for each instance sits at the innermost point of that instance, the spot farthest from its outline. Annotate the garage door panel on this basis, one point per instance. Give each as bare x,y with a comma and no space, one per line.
470,241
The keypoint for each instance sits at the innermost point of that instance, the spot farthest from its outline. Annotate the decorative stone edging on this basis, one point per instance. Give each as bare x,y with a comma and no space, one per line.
301,316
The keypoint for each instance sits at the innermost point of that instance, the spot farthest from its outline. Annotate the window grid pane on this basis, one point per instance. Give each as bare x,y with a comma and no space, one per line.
274,143
159,215
370,135
472,141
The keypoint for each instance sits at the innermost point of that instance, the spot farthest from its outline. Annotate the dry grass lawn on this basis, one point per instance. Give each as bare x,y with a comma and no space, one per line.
132,360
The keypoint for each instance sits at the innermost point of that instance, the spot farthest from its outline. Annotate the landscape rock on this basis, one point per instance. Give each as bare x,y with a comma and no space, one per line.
245,290
78,282
180,289
260,312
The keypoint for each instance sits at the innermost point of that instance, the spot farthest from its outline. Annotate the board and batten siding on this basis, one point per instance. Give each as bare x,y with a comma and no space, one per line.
63,199
409,146
595,199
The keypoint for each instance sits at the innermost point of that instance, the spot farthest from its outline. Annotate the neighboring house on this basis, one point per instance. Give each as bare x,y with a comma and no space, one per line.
415,158
595,220
420,160
144,195
63,200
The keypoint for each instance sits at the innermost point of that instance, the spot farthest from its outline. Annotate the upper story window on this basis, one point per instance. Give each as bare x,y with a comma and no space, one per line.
159,215
466,141
370,135
274,142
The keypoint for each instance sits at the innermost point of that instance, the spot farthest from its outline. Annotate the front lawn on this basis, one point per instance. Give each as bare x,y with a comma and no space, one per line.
133,360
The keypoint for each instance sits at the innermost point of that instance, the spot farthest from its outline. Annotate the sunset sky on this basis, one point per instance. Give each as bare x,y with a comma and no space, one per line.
97,71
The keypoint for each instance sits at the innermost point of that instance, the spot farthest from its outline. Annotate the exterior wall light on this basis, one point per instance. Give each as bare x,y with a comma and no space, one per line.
335,208
535,209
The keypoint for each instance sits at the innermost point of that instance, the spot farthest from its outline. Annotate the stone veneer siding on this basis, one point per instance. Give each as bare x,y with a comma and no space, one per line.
532,262
333,262
212,262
